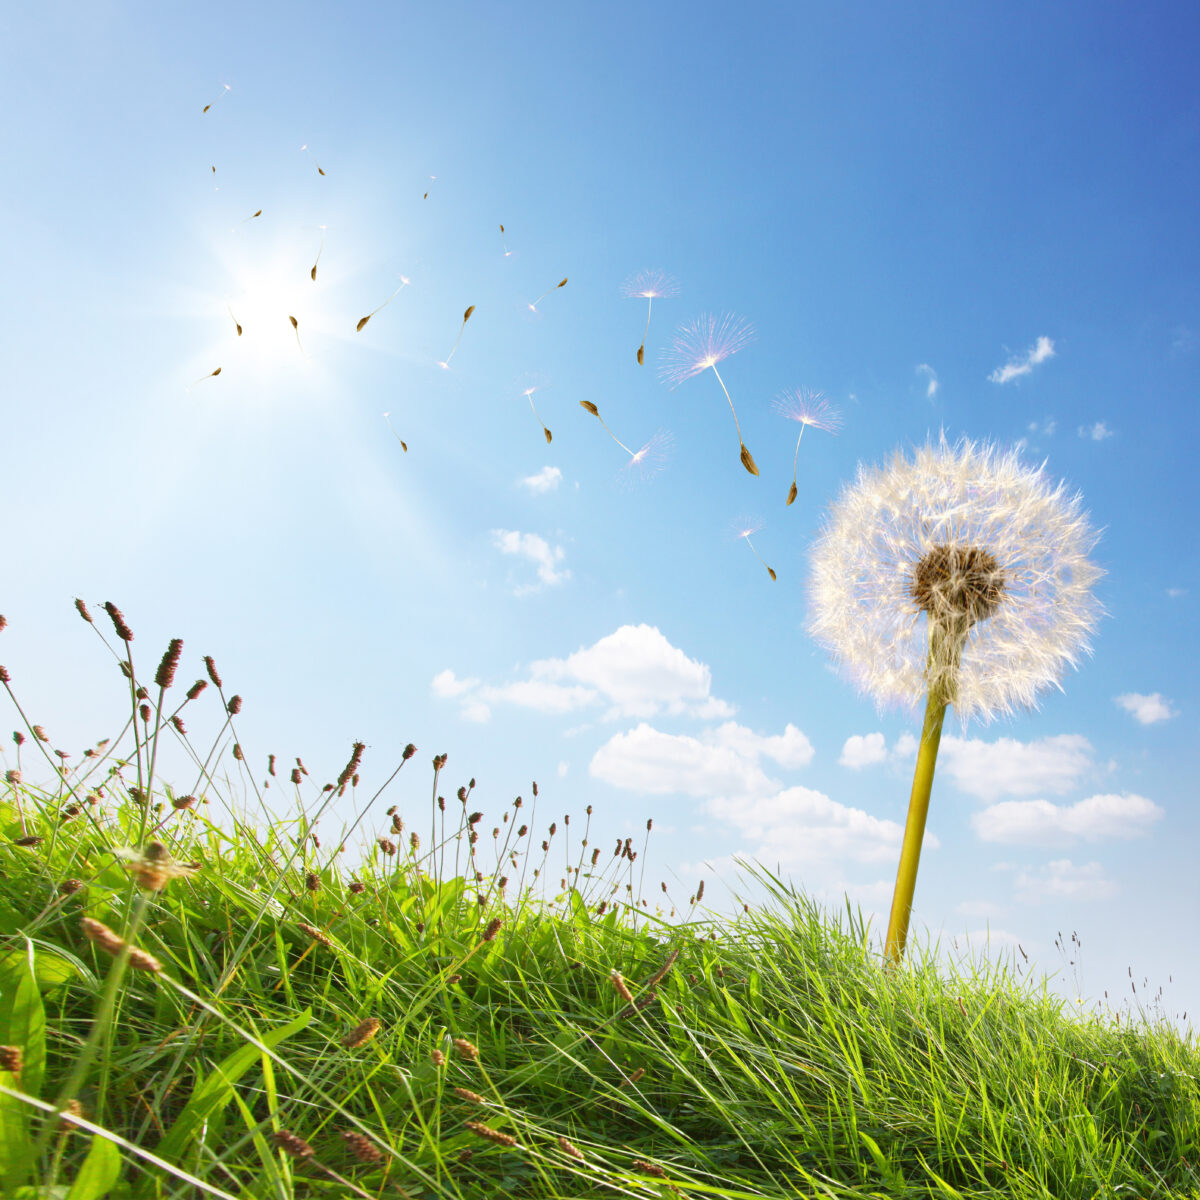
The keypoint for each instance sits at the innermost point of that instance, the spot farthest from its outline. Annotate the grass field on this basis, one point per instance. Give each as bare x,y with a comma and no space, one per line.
464,1004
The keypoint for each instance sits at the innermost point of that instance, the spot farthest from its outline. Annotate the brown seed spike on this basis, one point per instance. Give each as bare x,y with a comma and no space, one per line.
590,407
748,460
791,493
470,310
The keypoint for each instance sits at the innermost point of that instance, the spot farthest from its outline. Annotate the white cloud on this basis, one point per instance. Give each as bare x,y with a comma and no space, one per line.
1175,592
538,551
931,386
979,908
789,749
1061,879
473,710
446,685
647,760
1010,767
1102,816
1097,432
1147,709
640,673
546,480
1046,428
863,750
1016,367
635,671
563,768
905,746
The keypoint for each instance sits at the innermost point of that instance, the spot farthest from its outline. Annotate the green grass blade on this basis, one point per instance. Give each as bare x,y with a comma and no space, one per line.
99,1172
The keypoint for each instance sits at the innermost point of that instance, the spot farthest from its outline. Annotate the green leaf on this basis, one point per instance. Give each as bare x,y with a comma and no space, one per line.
99,1171
212,1094
22,1020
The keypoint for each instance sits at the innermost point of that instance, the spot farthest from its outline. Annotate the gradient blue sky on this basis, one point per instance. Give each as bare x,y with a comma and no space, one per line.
903,200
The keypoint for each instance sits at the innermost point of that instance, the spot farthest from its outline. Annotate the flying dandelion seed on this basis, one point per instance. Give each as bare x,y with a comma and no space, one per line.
588,406
993,555
432,179
528,394
533,306
744,528
234,319
650,459
403,443
249,218
445,364
404,282
310,155
503,243
296,327
699,346
649,286
224,89
320,251
809,408
210,375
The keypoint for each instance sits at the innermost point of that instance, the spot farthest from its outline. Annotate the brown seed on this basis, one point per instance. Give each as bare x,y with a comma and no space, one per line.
409,751
621,987
388,847
69,887
700,892
641,355
361,1147
140,960
5,677
439,1059
356,887
98,932
11,1059
466,1049
468,1095
83,611
177,722
316,934
72,1108
590,407
661,973
165,675
549,435
493,928
651,1168
114,613
492,1135
636,1077
40,734
144,711
467,314
570,1148
792,492
237,753
30,841
234,706
748,461
312,881
290,1144
362,1033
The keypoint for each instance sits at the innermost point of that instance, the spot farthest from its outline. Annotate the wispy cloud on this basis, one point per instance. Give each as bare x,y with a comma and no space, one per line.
1038,821
1009,767
1097,432
546,480
1175,592
1146,709
635,671
1016,367
931,379
1046,428
1062,879
537,551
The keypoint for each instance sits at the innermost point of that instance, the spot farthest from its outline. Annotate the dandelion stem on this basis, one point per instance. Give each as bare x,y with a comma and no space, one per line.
796,459
914,828
727,397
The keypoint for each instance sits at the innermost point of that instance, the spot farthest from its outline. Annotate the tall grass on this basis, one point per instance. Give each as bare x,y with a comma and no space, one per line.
466,1005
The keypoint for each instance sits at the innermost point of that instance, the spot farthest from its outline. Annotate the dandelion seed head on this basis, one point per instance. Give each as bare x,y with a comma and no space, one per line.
650,285
745,527
703,343
962,532
809,408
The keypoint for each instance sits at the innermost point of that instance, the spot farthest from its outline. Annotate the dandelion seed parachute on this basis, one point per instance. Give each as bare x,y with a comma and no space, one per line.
403,443
224,89
744,529
320,251
649,286
533,306
808,408
404,282
698,346
445,364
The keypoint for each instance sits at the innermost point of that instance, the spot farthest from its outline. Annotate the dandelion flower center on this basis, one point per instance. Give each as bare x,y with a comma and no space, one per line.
958,581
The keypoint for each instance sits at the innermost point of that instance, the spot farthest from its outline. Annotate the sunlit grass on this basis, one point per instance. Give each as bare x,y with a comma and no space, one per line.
543,1029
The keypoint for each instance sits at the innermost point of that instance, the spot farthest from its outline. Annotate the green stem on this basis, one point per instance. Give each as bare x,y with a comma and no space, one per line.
914,829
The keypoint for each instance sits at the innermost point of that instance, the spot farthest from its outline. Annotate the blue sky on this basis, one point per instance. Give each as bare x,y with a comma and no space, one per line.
976,220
